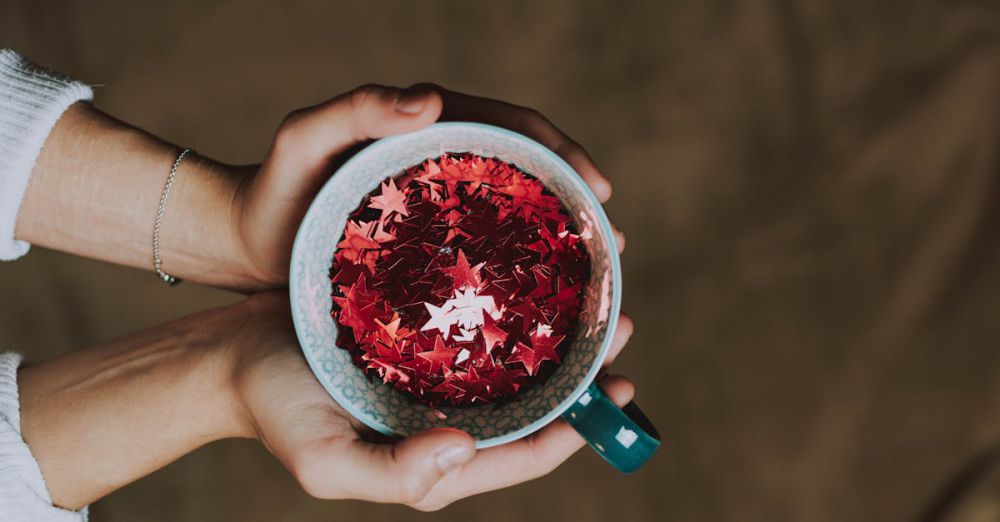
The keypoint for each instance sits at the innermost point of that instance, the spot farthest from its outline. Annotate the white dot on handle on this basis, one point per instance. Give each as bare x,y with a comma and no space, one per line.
585,398
626,437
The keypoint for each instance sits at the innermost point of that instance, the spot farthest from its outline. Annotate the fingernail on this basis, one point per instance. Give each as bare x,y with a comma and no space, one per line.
603,189
411,102
452,456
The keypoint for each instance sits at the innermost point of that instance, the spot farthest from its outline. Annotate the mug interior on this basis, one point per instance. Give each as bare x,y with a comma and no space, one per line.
379,405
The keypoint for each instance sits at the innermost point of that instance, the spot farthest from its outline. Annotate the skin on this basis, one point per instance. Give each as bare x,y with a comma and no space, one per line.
107,415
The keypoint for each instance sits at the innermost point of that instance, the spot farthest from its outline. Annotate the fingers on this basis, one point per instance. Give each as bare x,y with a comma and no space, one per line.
622,334
463,107
619,239
400,473
535,455
580,160
310,138
519,461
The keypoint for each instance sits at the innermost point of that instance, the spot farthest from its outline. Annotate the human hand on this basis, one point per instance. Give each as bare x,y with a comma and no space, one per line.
269,206
333,456
102,417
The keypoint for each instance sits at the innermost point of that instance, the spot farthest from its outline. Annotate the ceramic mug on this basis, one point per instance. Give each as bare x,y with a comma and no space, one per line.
624,437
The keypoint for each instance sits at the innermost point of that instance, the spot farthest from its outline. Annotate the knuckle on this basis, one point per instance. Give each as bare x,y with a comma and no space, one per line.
311,476
362,101
429,507
568,148
311,484
289,128
531,117
293,118
363,95
533,123
312,492
411,490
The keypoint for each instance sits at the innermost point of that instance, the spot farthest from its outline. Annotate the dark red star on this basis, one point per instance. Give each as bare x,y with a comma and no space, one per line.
492,334
530,358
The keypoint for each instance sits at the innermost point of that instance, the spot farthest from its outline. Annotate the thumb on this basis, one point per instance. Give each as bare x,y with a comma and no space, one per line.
309,139
425,457
401,473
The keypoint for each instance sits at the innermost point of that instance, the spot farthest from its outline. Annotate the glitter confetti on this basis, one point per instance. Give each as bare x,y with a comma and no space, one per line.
459,282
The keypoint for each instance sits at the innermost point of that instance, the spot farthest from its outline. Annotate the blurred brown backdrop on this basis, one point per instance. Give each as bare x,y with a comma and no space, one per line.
811,194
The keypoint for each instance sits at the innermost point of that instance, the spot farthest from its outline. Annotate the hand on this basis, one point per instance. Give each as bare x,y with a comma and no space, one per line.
311,141
333,456
223,225
100,418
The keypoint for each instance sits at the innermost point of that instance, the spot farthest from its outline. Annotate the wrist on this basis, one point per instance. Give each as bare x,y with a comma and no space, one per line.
250,254
261,350
200,236
204,353
132,405
106,179
228,358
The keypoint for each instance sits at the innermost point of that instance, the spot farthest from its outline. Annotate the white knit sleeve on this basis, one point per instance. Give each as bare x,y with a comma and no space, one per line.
23,495
31,101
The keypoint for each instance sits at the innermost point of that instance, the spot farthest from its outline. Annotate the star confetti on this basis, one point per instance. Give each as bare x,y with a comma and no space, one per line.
458,282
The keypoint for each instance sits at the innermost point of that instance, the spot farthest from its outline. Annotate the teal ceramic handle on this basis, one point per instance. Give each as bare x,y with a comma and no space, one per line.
623,436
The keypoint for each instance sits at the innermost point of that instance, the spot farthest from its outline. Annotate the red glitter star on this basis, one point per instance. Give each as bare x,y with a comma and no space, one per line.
462,274
391,200
545,344
357,239
530,358
492,334
440,355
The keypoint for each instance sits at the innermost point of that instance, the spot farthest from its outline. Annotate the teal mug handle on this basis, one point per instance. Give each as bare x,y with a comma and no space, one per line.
622,436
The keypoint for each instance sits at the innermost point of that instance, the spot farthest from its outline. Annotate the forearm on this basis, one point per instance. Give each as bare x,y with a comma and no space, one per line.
95,189
103,417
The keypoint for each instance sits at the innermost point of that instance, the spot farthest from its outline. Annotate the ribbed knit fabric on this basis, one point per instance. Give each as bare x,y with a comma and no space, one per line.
31,102
23,495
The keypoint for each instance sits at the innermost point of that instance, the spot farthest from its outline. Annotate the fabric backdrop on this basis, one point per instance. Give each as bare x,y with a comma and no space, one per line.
809,190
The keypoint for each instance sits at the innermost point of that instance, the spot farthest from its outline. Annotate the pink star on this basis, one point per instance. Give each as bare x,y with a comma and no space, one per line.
439,320
391,200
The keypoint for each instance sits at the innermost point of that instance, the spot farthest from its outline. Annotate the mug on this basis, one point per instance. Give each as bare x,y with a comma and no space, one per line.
623,436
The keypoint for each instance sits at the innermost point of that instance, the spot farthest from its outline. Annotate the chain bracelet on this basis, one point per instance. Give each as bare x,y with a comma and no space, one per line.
157,262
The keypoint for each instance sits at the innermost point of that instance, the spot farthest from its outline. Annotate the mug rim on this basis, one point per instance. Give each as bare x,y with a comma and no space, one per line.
605,224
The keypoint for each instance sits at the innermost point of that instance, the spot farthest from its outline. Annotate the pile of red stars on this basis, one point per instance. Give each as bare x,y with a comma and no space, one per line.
460,287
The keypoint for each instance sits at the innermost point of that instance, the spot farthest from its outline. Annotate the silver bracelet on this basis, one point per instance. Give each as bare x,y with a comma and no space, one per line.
157,262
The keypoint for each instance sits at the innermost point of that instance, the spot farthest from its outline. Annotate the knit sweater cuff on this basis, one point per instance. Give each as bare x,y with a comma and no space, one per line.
31,101
23,495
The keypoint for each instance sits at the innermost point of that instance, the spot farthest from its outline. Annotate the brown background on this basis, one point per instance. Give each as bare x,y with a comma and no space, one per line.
810,191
